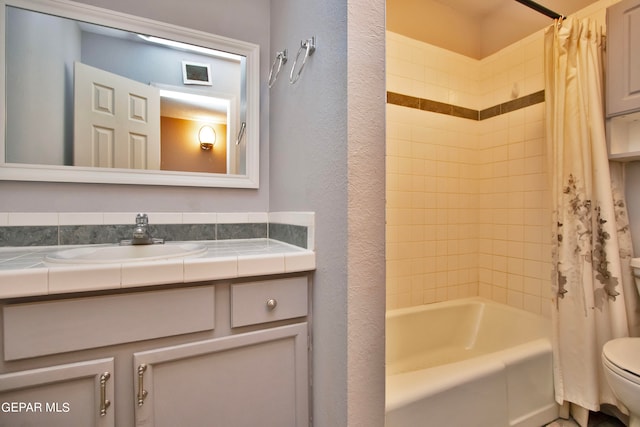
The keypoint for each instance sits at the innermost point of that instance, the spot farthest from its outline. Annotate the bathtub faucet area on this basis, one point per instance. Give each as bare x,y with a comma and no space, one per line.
141,233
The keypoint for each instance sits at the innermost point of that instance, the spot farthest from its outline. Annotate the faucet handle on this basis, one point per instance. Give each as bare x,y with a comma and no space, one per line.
142,219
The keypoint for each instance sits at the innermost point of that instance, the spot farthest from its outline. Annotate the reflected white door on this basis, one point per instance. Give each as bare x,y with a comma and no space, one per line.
116,121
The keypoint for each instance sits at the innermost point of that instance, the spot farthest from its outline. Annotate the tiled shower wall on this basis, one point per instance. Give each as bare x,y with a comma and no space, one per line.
467,208
432,201
513,213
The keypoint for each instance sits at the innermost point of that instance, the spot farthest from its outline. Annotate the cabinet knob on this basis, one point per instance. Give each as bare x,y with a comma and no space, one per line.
272,303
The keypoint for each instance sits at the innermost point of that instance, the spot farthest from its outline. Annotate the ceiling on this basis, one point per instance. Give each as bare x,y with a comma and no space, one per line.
474,28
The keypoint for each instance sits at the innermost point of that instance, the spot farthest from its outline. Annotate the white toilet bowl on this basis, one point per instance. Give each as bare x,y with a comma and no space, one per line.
621,361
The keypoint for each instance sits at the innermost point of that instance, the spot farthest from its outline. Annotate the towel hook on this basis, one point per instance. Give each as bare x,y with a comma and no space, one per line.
308,46
280,60
243,128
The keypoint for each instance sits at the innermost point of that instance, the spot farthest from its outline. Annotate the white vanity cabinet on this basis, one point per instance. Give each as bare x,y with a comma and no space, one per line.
252,379
74,394
225,353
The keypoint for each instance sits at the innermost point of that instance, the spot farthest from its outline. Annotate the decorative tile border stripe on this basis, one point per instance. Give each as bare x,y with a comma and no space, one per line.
513,105
462,112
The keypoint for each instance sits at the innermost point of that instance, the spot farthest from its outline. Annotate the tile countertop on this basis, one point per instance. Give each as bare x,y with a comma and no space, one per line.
23,271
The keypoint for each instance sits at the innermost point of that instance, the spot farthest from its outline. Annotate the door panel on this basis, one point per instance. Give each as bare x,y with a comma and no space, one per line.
623,57
246,380
116,121
59,396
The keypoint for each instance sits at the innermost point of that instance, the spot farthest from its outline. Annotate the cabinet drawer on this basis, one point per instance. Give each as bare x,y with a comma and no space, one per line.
50,327
268,300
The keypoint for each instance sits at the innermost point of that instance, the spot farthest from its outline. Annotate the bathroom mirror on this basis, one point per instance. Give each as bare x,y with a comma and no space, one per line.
93,95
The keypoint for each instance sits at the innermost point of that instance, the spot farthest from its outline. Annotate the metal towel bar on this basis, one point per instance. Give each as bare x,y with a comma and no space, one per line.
308,47
280,60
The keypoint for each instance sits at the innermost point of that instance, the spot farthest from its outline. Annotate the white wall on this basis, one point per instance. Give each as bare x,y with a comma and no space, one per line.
632,178
39,87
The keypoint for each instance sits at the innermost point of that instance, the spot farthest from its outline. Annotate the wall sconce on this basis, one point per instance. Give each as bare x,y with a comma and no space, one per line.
207,137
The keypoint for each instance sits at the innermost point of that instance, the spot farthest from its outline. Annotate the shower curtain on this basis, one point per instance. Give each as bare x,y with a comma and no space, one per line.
591,240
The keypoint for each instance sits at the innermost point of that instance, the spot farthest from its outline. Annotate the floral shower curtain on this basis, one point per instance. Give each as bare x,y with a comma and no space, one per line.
591,241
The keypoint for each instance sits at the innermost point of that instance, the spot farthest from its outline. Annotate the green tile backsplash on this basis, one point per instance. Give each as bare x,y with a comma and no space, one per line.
100,234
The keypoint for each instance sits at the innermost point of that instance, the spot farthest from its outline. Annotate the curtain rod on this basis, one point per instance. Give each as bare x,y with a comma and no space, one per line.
539,8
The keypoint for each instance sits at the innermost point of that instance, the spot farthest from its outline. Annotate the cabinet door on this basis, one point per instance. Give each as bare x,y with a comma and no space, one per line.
77,394
623,57
246,380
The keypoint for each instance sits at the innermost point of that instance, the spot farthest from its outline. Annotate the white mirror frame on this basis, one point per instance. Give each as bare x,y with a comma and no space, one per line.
87,13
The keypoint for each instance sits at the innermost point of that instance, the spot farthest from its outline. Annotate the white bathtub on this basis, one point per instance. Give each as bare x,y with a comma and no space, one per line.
469,362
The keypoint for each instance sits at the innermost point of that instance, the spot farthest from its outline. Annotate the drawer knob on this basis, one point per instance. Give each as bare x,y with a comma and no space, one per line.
272,303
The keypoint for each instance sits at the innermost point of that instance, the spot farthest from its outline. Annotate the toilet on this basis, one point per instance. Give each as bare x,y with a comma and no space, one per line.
621,361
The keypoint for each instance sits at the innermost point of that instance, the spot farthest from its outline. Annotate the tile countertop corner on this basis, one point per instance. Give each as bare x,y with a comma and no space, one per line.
23,271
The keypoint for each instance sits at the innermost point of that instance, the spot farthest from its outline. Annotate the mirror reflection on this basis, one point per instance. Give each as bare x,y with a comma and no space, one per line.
80,94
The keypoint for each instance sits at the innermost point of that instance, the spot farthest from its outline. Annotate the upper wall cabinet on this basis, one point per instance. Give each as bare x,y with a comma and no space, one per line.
623,80
623,57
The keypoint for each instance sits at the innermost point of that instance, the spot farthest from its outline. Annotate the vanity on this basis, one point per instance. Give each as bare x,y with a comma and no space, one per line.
214,328
219,334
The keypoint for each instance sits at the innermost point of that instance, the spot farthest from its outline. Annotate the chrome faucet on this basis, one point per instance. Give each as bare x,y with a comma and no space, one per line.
141,234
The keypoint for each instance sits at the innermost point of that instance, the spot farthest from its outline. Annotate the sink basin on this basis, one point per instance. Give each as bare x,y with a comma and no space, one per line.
123,254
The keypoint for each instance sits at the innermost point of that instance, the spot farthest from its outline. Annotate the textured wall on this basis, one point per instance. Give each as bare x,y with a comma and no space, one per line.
327,155
366,213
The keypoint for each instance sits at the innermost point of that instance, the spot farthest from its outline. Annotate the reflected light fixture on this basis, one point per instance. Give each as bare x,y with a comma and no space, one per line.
207,137
192,48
